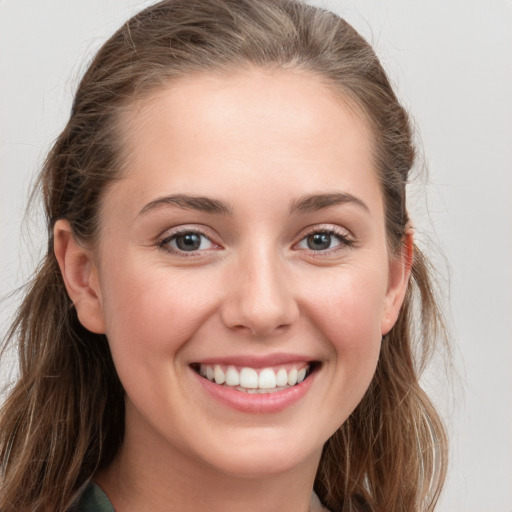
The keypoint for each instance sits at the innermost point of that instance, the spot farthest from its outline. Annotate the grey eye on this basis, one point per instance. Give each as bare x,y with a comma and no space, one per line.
188,241
320,241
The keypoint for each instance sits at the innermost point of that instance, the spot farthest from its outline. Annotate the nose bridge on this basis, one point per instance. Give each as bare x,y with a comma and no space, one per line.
261,298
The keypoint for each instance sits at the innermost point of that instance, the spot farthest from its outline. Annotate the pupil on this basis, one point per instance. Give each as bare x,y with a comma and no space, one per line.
188,242
319,241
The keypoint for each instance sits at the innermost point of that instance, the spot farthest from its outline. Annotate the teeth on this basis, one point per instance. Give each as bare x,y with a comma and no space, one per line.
219,375
255,381
248,378
232,377
267,379
281,377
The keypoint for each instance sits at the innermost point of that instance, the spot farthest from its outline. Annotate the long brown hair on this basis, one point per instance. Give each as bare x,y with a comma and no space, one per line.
64,418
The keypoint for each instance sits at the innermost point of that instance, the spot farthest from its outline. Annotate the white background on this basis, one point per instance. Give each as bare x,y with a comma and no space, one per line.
451,62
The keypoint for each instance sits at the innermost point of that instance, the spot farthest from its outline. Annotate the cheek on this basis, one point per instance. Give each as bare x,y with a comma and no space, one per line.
153,312
348,310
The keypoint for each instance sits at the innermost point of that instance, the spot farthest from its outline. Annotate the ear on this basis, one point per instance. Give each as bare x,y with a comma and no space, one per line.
80,277
400,267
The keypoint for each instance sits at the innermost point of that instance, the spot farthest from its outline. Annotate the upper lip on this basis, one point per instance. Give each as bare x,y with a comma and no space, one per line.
256,361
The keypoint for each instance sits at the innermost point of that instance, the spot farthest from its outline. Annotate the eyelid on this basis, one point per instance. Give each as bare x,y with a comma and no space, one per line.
170,234
343,234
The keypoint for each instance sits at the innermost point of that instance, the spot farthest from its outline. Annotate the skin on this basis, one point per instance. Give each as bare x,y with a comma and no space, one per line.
259,142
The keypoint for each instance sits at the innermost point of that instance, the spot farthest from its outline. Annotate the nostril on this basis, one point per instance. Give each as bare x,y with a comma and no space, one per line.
262,318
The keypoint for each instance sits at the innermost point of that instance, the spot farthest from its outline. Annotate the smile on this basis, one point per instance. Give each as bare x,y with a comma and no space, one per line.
252,380
257,385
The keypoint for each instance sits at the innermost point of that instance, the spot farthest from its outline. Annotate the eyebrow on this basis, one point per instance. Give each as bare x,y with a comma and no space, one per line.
200,203
304,204
316,202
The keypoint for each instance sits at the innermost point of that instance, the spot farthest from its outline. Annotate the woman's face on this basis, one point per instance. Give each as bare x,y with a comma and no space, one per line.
245,242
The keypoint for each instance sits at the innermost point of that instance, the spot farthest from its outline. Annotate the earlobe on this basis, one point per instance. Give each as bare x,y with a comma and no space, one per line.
399,273
80,277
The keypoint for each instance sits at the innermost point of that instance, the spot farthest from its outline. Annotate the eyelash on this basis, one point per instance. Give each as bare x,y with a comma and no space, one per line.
345,242
164,243
341,235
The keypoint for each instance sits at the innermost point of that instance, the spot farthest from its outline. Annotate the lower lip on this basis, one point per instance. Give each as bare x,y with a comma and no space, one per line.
256,403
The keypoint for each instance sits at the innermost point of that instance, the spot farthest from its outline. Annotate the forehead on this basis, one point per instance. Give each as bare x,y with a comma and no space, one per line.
286,127
255,100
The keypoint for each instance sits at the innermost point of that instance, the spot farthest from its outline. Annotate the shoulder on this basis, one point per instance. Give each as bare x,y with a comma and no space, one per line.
92,499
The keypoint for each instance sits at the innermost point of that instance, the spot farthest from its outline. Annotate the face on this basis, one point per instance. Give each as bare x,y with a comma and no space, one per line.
242,274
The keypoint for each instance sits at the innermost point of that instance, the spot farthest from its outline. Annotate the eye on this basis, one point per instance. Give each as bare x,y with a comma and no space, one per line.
324,240
321,241
187,242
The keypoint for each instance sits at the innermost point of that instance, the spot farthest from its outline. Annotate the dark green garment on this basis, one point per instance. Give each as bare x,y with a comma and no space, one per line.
93,499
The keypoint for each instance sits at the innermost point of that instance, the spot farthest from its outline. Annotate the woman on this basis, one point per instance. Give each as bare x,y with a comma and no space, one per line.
224,315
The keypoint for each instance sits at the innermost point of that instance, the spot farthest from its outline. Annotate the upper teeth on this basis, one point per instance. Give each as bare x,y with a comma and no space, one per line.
250,378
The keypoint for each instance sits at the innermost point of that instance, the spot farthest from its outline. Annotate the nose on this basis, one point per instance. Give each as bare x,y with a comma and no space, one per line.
260,298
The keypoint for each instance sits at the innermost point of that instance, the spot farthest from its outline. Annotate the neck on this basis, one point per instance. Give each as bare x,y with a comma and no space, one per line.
154,476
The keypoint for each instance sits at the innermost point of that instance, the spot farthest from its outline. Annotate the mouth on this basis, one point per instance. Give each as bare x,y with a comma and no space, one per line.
256,380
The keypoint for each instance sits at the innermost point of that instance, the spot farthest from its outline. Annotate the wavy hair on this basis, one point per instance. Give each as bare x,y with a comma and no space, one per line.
63,420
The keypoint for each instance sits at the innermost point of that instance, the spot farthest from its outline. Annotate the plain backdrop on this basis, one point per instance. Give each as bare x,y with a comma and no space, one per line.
451,63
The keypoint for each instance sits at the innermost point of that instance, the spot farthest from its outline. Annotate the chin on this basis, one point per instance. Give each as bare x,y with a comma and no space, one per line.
257,457
259,467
